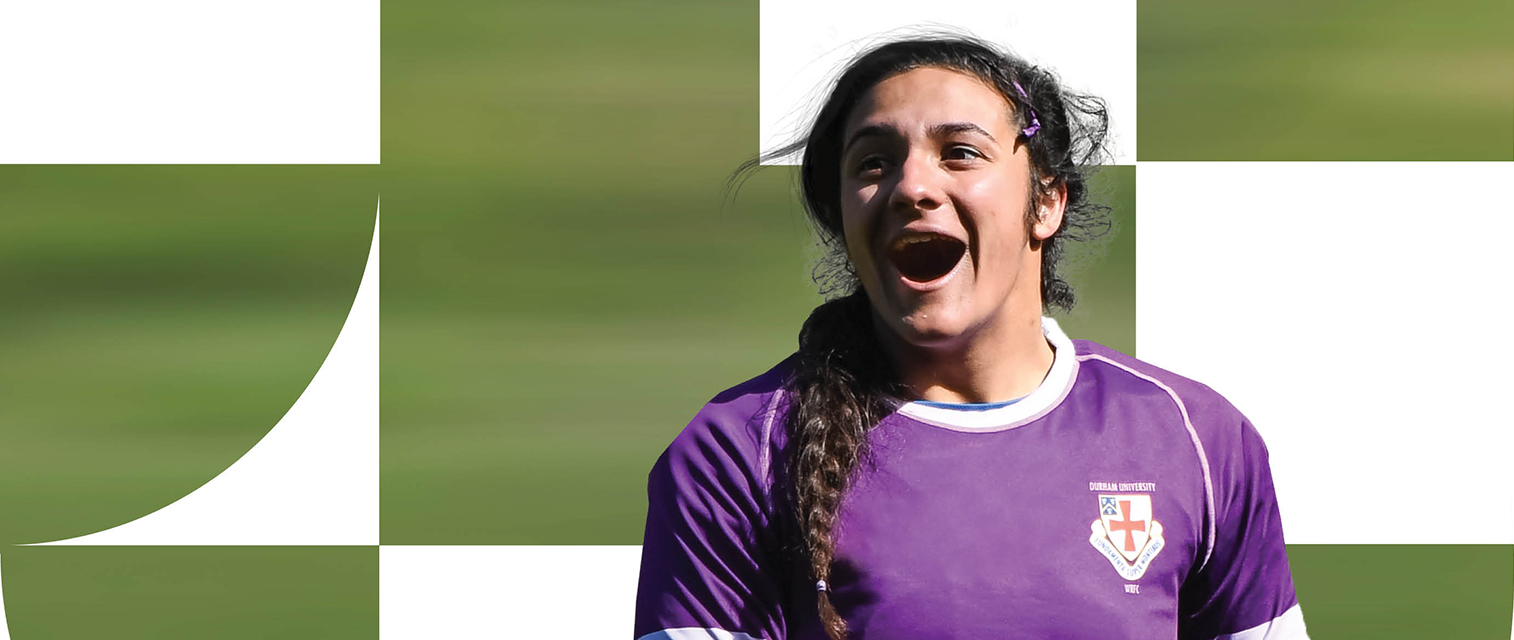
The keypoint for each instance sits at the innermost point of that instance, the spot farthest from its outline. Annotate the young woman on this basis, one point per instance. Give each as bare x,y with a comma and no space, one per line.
938,460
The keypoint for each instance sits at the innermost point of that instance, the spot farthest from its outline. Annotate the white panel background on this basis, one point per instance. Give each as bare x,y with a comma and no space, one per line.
189,82
1358,313
806,43
473,593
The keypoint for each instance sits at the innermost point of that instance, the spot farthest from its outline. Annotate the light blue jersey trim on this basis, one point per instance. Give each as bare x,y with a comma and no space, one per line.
967,406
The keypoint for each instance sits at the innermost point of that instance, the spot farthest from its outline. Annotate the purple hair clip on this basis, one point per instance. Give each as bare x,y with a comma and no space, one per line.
1035,124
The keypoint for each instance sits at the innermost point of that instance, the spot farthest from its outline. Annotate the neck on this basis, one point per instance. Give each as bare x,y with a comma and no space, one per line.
1005,361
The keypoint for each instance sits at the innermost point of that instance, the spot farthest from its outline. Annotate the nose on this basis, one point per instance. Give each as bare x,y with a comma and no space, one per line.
919,186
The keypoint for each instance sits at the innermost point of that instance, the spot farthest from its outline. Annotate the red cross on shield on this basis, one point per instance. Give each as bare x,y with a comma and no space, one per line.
1128,523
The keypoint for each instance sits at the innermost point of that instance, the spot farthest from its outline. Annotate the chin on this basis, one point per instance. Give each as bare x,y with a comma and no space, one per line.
934,330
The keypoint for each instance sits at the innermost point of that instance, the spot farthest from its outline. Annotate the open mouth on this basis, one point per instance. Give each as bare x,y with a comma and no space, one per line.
925,257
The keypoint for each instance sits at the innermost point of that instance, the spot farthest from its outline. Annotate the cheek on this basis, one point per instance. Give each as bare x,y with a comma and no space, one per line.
855,220
1001,191
997,207
856,205
856,245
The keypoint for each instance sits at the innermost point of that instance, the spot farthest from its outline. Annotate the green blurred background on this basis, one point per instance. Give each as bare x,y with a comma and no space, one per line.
192,593
1337,80
155,323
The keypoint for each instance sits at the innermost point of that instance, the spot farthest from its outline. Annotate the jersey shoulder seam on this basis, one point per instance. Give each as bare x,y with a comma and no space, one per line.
1198,444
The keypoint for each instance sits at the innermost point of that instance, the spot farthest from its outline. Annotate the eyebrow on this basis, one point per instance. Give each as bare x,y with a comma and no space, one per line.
946,129
868,131
936,131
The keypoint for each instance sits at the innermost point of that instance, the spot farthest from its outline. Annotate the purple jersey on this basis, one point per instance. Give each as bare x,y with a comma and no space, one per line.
1116,501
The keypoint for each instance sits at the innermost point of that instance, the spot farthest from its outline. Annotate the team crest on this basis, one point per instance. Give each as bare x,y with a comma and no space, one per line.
1126,533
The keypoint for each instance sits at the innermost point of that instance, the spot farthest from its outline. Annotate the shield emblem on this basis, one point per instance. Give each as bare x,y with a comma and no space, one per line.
1126,534
1127,522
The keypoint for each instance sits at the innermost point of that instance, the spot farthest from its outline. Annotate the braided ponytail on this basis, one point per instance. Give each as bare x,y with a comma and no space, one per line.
840,383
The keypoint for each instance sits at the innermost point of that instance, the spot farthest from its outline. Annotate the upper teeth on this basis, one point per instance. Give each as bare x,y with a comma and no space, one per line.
917,239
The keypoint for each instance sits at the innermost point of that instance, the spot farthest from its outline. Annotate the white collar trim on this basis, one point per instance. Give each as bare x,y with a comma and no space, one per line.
1058,382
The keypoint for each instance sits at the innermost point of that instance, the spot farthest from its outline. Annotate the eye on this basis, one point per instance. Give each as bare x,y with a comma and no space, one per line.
962,152
872,166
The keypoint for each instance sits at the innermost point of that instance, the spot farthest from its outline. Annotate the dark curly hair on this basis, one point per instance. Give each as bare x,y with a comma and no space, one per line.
842,381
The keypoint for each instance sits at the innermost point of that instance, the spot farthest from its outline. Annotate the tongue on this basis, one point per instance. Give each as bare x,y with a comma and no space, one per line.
927,261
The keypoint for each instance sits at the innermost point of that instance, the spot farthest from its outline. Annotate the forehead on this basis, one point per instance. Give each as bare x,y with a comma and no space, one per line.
922,97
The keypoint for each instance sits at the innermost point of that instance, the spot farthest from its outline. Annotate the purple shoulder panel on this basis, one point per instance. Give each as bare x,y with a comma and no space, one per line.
1244,579
711,556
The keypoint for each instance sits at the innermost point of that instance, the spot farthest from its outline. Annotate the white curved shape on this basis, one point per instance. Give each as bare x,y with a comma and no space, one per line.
5,629
313,480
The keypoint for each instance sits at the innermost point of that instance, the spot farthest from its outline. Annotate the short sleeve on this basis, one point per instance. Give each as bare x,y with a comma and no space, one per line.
1244,589
710,561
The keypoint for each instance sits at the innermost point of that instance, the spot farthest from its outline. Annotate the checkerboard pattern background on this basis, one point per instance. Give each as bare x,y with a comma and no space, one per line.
188,208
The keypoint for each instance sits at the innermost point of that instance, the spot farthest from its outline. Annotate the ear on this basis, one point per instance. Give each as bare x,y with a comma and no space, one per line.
1049,209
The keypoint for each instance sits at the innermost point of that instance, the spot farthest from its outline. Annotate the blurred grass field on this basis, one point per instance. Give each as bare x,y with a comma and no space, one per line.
568,290
1342,80
191,593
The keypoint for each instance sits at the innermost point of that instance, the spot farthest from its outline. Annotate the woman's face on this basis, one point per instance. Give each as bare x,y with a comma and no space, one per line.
934,192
